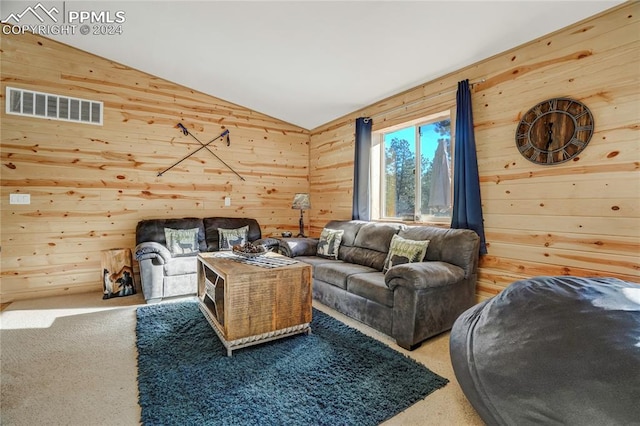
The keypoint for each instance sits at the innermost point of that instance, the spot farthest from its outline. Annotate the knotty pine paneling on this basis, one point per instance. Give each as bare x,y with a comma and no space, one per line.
577,218
90,185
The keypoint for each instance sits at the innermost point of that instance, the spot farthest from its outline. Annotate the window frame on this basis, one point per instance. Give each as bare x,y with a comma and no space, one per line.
378,166
31,103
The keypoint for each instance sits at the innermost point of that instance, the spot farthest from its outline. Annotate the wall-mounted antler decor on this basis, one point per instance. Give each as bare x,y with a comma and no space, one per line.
203,146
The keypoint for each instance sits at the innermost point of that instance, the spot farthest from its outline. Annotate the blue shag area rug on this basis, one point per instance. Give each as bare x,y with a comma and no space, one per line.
334,376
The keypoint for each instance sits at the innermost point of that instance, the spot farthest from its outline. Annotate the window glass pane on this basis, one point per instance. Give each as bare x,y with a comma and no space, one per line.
95,112
52,106
399,174
86,111
41,101
15,102
63,110
27,98
74,110
412,171
435,179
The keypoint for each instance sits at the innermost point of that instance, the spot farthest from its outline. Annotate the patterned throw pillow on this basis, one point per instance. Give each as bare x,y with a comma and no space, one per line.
181,241
227,238
329,243
402,250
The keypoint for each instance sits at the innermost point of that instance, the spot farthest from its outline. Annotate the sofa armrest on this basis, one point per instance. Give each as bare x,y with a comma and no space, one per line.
269,243
154,251
423,275
293,247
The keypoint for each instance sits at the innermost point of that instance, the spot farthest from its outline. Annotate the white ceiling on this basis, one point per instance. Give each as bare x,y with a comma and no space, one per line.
309,62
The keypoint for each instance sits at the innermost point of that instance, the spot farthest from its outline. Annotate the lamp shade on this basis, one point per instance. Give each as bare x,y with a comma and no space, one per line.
301,202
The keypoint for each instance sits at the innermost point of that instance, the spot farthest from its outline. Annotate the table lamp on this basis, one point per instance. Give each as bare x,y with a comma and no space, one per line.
302,203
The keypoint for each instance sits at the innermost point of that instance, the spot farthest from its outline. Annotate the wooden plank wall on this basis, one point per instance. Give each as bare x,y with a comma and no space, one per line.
90,185
577,218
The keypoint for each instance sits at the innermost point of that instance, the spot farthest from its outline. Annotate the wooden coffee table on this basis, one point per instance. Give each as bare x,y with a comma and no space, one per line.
247,304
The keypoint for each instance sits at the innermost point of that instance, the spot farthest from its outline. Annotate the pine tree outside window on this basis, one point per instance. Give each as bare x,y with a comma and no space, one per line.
412,171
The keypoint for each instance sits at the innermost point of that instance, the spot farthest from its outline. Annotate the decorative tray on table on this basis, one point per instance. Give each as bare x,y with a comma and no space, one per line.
249,250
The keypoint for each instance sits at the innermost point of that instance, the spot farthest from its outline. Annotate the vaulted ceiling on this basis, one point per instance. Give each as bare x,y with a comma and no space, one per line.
309,62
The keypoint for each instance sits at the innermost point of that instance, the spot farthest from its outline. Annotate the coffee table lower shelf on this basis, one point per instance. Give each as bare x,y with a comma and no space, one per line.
232,345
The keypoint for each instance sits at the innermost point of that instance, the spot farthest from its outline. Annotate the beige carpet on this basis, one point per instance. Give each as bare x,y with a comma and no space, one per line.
72,361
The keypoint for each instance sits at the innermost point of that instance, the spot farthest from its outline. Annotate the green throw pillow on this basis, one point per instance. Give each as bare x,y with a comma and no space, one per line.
402,250
329,243
181,241
227,238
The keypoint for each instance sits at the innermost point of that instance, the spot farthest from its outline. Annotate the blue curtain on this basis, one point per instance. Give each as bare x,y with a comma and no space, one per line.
361,186
467,205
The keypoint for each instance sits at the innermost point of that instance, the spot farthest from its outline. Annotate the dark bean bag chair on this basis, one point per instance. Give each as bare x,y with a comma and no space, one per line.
552,351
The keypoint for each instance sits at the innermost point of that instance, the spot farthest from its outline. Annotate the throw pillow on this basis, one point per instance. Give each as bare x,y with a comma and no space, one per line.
329,243
227,238
402,250
181,241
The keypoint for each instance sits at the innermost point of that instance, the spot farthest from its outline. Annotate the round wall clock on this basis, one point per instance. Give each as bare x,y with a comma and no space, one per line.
554,131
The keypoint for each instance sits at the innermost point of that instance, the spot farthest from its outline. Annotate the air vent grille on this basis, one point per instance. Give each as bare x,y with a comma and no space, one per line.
46,105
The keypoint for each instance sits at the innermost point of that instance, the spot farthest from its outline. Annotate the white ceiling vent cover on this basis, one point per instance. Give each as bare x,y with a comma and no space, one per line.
55,107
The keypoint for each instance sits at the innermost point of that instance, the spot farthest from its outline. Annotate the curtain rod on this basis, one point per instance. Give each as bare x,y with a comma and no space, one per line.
417,101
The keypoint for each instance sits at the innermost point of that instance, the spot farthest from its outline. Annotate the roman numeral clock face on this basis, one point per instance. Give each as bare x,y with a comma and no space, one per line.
554,131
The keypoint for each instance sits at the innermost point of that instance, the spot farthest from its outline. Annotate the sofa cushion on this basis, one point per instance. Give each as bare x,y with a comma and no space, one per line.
350,228
329,243
459,247
181,242
377,235
227,238
314,260
403,250
336,272
181,266
371,244
371,286
212,224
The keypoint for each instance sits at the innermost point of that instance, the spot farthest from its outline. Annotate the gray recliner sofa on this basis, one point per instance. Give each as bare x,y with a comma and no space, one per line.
410,302
165,275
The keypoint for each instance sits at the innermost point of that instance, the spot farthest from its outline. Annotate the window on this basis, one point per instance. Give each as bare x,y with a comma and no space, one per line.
412,171
45,105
